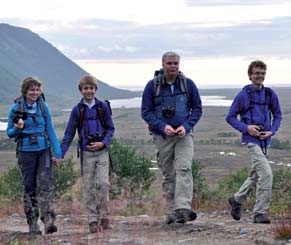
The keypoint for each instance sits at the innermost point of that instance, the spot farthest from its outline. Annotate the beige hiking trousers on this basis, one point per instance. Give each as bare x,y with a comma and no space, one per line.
261,177
174,157
96,184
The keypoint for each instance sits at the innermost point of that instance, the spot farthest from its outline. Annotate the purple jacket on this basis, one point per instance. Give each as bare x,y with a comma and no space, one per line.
267,116
91,126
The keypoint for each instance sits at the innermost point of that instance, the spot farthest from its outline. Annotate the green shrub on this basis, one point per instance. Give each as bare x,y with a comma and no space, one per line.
233,181
11,184
200,187
281,193
64,177
132,172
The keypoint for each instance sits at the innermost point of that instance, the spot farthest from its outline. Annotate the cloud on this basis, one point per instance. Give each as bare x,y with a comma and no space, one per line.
128,40
231,2
111,39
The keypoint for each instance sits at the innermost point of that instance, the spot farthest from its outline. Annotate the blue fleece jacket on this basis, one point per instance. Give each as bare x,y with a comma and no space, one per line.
91,126
260,115
35,125
150,110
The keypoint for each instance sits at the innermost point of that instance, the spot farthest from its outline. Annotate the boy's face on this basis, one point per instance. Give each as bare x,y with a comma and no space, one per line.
88,91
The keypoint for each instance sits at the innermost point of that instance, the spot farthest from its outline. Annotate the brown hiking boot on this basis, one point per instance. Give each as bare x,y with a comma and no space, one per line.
261,219
235,208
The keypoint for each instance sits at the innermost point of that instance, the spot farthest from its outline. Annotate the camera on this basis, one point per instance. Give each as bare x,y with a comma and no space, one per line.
168,111
261,128
94,138
17,114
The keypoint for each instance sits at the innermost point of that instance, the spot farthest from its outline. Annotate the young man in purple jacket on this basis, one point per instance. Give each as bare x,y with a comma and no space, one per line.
92,119
260,115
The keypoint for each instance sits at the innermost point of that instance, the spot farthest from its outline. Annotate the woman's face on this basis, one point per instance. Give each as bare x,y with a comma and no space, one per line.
32,94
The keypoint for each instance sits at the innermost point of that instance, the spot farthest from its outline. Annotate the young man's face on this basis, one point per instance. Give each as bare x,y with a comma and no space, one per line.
258,76
88,91
171,66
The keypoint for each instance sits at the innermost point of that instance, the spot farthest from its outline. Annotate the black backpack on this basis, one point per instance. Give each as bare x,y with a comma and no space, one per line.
268,95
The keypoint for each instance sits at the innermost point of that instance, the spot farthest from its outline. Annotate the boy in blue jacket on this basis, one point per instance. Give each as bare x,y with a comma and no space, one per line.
260,115
92,119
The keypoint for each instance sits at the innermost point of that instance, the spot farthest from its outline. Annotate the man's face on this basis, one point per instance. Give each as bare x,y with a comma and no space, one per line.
88,91
171,66
258,76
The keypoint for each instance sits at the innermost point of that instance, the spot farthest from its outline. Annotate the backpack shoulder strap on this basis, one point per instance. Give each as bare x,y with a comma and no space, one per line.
268,94
42,109
109,106
81,108
183,83
101,114
158,79
250,96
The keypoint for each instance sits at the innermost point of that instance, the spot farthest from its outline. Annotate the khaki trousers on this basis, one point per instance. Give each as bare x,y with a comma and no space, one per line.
95,179
174,157
261,177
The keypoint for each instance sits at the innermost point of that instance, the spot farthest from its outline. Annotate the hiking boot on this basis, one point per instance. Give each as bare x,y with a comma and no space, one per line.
235,208
33,227
170,218
184,215
105,224
93,227
49,226
261,219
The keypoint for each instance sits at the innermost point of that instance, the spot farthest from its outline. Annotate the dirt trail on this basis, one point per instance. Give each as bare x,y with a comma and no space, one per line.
212,228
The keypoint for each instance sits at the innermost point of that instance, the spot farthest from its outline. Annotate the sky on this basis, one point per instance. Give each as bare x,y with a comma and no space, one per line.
121,41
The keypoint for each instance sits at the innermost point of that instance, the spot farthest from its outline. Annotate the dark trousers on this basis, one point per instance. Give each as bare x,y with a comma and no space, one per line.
36,169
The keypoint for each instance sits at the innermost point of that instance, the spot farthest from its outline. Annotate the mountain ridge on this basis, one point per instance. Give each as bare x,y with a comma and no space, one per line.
24,53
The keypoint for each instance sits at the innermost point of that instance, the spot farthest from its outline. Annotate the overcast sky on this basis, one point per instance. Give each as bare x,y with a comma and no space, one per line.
121,42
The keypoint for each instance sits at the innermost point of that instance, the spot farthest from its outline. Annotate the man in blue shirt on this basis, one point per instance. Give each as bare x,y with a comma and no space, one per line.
260,114
171,106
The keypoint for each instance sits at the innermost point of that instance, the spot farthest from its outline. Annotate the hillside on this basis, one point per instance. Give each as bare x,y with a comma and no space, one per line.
24,53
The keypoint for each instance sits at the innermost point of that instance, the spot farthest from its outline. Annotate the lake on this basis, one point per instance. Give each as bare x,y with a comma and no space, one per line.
136,103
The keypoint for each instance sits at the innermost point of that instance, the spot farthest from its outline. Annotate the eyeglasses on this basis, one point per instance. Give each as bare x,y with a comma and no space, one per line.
172,63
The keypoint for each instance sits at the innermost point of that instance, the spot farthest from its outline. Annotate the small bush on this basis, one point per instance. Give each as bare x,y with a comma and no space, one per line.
64,177
281,193
132,172
11,184
200,187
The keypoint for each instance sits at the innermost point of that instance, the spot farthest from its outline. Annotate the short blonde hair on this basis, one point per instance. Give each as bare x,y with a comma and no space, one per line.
88,80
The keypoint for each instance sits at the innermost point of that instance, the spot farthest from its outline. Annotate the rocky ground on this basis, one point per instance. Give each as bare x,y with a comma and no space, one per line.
213,228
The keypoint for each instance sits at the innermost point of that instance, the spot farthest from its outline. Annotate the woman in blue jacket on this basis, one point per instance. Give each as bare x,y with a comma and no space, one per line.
30,123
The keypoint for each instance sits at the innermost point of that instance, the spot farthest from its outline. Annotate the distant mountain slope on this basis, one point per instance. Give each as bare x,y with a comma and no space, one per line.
23,53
